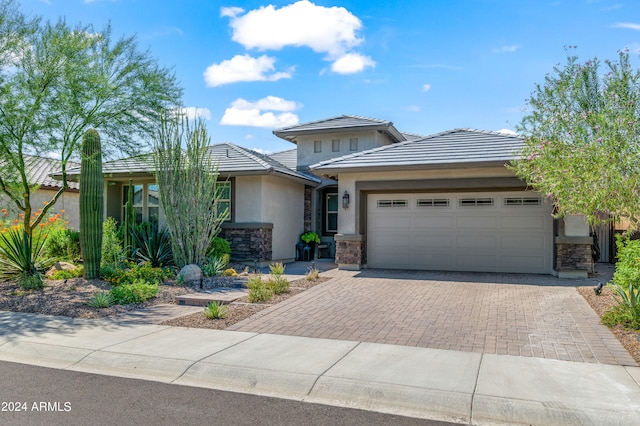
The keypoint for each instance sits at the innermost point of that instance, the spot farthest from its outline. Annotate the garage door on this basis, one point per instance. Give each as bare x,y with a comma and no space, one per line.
485,232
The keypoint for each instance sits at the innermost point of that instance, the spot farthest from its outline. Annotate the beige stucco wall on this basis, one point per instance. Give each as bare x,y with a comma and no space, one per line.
347,218
68,201
366,140
272,199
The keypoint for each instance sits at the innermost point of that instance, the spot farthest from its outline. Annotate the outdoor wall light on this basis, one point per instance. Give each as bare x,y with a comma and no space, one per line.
345,200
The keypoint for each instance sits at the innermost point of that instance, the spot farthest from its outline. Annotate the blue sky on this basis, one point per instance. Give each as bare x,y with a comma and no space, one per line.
426,65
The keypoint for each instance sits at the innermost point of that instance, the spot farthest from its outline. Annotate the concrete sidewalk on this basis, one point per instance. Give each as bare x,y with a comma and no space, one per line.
464,387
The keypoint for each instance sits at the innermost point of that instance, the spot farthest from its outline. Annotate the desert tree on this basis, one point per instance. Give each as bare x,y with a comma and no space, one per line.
582,132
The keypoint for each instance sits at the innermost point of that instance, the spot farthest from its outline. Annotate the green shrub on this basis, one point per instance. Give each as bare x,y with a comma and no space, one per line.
66,274
214,310
113,254
219,248
30,281
623,315
22,254
276,268
137,292
101,299
230,273
259,291
214,266
628,264
145,273
278,284
62,244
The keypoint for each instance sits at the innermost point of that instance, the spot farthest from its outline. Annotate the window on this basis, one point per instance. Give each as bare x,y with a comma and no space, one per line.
138,202
522,201
331,222
392,203
475,202
317,146
153,203
223,190
433,202
353,144
335,145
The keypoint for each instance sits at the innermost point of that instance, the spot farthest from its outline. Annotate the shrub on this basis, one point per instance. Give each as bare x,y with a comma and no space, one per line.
620,314
230,273
30,281
62,244
100,299
153,245
145,273
310,237
276,268
113,254
312,274
628,264
214,266
259,291
214,310
21,254
219,248
279,284
137,292
66,274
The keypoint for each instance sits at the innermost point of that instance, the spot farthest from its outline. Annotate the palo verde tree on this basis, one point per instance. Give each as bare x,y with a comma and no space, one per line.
62,81
582,136
188,188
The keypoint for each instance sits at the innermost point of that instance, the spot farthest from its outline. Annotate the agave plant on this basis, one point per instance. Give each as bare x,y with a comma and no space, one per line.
153,246
630,297
21,253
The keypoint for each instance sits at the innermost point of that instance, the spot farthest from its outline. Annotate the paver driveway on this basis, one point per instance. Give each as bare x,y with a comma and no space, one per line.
511,314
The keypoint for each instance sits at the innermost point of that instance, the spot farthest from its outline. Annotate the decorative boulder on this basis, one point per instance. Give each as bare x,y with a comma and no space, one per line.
60,266
190,273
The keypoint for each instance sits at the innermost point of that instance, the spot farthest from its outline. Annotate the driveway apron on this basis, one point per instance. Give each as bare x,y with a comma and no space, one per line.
506,314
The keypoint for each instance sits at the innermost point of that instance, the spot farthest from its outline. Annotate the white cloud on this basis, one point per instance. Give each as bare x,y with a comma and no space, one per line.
248,136
627,25
413,108
194,112
426,87
506,49
323,29
243,68
258,113
507,132
231,11
351,63
262,151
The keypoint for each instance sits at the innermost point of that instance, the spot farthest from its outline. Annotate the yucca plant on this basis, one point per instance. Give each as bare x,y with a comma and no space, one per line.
21,253
629,298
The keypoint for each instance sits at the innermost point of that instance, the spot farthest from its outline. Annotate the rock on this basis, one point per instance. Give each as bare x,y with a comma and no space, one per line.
60,266
190,273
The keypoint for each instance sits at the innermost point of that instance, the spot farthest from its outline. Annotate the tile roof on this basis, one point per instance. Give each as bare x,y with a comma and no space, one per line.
289,158
231,160
39,170
453,147
341,122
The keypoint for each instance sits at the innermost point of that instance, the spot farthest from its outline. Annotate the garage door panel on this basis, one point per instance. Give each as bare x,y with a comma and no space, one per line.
491,238
477,241
436,222
522,222
476,222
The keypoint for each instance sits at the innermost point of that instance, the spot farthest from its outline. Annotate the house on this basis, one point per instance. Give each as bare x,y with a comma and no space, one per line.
442,202
265,199
379,198
39,170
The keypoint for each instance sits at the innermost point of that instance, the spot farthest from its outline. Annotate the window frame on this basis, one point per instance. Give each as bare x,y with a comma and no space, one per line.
328,212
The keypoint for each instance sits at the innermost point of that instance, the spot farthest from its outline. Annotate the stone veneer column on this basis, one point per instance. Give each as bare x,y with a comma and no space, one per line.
350,251
249,241
308,192
573,248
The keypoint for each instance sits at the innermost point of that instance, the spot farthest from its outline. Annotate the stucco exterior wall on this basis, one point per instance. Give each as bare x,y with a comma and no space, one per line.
366,140
247,205
68,201
347,218
283,205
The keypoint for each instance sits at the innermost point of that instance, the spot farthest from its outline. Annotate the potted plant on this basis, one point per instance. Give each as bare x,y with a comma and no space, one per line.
310,239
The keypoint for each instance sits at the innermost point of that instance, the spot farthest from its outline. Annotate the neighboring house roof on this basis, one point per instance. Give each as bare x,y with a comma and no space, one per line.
453,147
289,158
39,169
232,160
339,123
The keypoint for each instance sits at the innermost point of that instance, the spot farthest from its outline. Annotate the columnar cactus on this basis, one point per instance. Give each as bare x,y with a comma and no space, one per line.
91,203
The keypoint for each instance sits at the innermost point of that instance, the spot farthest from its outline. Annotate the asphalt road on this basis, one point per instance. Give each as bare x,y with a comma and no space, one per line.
59,397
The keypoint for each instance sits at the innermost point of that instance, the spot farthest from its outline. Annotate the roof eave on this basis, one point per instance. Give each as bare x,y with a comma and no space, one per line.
334,171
